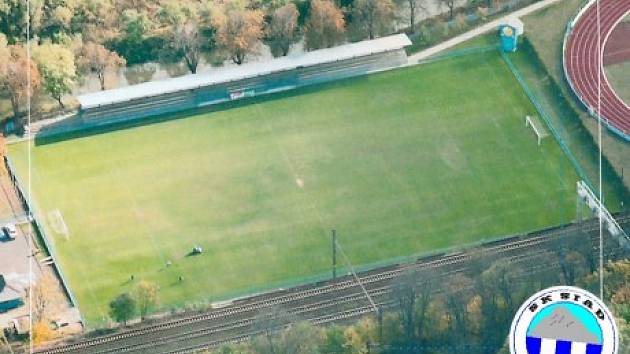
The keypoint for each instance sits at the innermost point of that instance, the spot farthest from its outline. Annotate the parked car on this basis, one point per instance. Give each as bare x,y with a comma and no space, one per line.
10,231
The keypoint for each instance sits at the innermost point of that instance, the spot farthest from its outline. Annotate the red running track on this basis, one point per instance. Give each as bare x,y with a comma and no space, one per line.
583,63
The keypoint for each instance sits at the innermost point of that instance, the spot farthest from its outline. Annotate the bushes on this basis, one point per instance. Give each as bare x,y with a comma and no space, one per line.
440,28
138,51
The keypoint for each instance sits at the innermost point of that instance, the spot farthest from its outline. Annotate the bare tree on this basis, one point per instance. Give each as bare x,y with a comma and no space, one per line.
499,278
19,76
573,266
282,31
572,263
269,323
301,338
46,298
414,7
450,5
187,25
458,293
498,288
188,40
96,58
412,291
405,293
239,32
373,16
582,243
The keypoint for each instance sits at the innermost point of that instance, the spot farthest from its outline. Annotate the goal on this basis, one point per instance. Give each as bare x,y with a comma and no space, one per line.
537,127
57,224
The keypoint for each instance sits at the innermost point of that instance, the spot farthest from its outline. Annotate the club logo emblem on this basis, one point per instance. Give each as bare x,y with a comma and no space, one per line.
563,320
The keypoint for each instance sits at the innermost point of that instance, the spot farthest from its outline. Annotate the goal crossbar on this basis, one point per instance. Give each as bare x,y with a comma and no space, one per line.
58,224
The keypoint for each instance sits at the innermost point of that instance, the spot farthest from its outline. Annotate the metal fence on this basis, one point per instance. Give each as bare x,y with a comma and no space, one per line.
433,30
548,122
33,212
459,53
344,269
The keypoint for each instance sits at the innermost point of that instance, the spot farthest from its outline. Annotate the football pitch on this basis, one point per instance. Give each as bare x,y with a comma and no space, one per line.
399,163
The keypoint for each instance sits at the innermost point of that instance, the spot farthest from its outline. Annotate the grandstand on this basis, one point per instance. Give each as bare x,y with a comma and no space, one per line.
232,83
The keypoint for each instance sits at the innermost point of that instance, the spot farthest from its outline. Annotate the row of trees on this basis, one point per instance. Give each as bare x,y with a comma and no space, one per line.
429,315
70,38
48,303
434,311
422,323
467,311
50,68
141,301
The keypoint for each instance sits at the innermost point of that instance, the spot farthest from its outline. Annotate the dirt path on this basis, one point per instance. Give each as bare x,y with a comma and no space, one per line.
10,205
413,59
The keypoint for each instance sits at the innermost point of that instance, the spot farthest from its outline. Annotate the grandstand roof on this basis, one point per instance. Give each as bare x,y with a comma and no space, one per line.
234,73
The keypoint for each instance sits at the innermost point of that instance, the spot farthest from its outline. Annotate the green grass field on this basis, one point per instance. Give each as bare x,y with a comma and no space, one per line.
546,30
400,163
619,76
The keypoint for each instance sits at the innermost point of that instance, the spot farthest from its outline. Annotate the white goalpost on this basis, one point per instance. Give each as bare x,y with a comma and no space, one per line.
57,224
537,127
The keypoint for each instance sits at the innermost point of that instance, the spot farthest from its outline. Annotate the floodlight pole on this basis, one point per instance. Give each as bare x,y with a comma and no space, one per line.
334,254
356,277
380,324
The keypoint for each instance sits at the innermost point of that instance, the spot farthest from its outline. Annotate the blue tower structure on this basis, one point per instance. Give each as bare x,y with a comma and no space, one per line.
509,32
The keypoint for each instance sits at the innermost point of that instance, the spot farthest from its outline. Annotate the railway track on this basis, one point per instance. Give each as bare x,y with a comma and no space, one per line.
360,306
326,302
355,312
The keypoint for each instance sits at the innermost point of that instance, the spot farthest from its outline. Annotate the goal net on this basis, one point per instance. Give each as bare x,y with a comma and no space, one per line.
537,127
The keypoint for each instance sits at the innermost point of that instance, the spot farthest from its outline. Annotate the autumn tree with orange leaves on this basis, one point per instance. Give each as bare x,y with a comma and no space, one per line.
98,59
19,76
325,27
239,31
